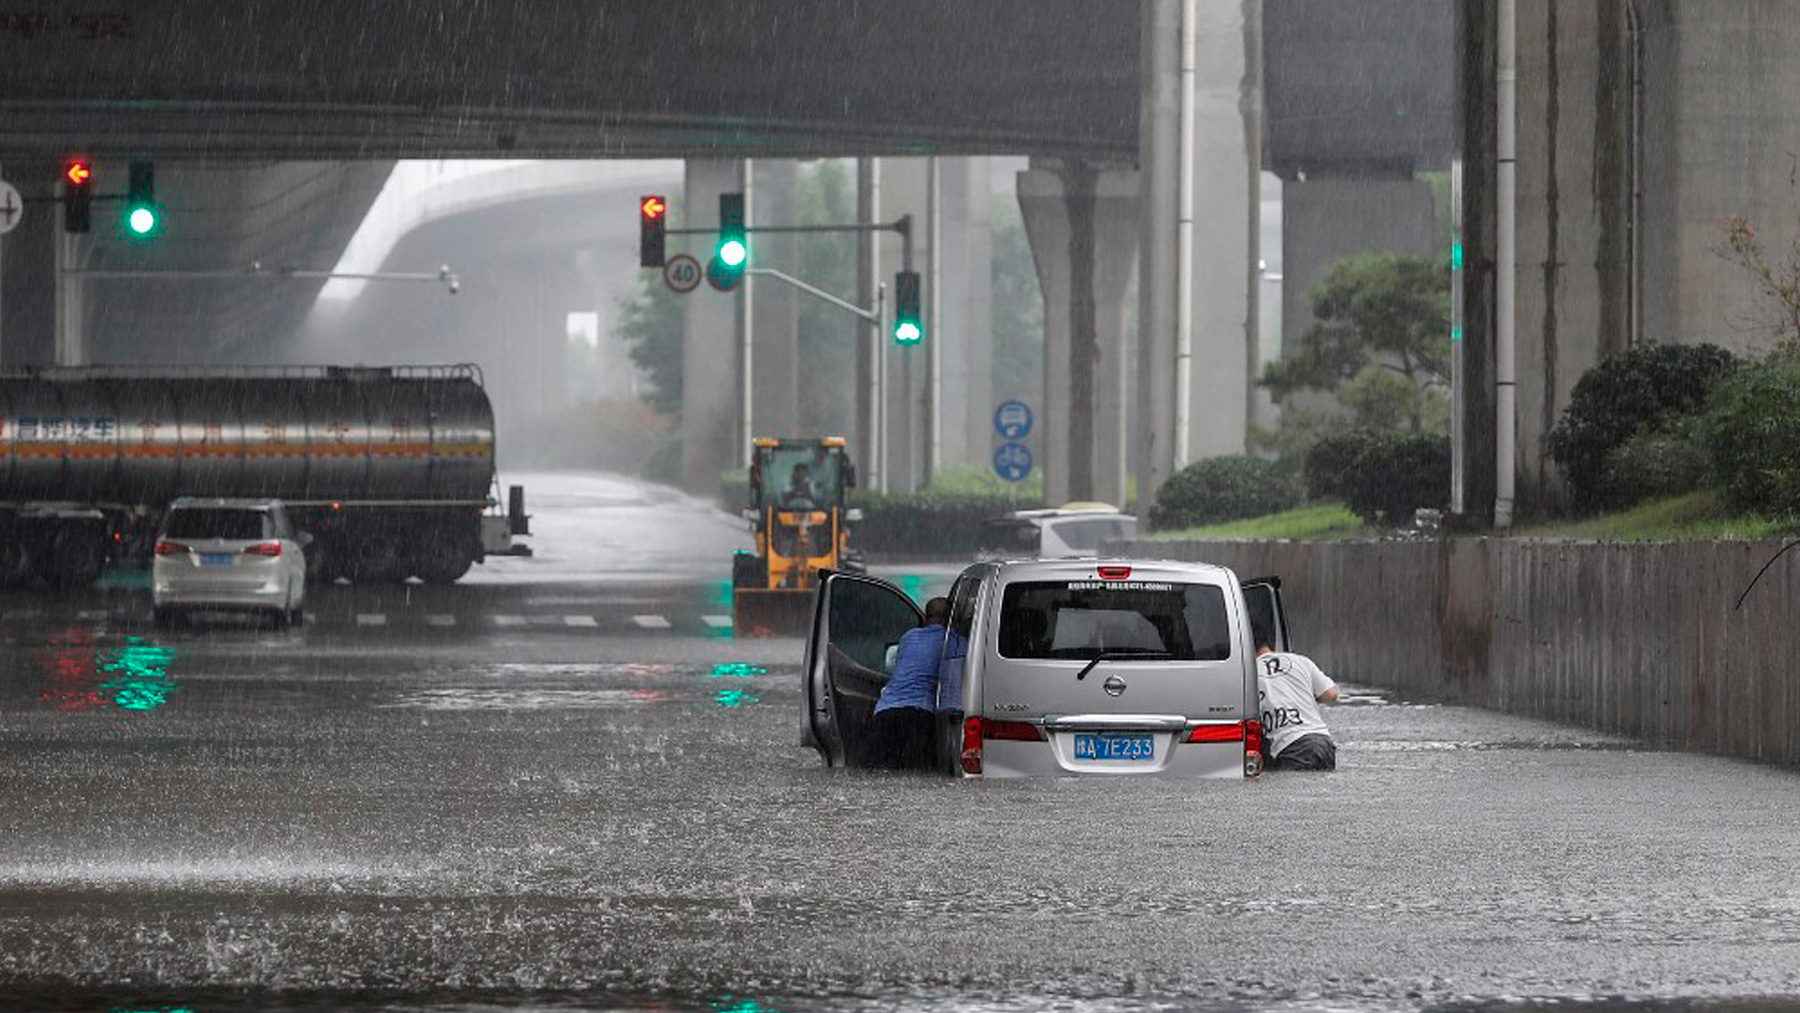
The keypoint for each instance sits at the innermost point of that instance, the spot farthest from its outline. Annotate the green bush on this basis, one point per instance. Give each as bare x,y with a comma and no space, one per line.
1648,388
1330,461
1653,465
1223,489
928,525
1752,433
1397,476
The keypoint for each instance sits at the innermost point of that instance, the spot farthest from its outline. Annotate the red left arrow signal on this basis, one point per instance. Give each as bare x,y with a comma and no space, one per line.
653,207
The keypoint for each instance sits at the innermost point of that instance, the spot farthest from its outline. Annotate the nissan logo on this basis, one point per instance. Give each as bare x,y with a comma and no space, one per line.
1114,686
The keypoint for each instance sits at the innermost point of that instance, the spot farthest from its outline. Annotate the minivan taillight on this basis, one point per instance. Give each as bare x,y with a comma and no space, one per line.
1219,733
270,549
1253,739
1011,731
971,745
164,547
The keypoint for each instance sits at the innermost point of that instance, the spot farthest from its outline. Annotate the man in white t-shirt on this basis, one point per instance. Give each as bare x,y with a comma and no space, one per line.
1289,690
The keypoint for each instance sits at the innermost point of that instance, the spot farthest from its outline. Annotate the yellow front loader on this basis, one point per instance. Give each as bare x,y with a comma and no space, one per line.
798,491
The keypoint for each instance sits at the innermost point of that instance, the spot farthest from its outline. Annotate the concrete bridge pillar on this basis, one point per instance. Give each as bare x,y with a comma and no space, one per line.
710,393
906,190
774,305
28,274
1082,222
1227,181
964,310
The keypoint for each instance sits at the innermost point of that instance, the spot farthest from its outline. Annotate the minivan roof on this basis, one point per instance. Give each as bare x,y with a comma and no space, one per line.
1068,567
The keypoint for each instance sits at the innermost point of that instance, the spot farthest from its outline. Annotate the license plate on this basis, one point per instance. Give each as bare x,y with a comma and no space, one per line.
1115,747
216,558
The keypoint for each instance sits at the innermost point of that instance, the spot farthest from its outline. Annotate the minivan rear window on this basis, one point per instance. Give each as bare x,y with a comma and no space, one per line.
1077,619
233,523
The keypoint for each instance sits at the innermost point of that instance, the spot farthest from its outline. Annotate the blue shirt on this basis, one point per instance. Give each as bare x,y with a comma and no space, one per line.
915,678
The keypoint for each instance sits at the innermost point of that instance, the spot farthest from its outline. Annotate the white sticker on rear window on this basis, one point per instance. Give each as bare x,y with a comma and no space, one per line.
1117,585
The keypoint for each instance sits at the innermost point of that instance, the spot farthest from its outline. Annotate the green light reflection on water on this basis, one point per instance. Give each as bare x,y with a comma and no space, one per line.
141,679
735,697
732,1004
736,670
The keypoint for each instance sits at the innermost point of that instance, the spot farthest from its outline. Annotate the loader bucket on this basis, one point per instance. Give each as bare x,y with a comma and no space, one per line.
766,612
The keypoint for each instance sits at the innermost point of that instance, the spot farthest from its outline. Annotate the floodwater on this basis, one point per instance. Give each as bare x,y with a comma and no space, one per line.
617,817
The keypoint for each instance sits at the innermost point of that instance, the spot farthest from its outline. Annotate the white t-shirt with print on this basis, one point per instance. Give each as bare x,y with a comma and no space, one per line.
1287,693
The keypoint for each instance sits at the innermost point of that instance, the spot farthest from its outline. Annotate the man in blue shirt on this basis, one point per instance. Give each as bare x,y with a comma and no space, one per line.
903,735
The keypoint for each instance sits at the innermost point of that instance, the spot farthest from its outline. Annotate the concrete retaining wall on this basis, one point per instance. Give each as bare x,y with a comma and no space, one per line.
1636,639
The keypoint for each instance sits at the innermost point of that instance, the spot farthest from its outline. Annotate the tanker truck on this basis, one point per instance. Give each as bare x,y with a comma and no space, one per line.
390,469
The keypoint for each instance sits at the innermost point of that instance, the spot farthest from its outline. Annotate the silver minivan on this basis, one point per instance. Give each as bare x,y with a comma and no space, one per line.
1058,667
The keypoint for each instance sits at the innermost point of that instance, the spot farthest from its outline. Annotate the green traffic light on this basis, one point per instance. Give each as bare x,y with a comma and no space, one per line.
733,252
141,221
907,333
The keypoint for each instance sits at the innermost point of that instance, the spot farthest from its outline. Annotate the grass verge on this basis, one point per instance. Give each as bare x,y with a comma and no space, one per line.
1693,516
1329,520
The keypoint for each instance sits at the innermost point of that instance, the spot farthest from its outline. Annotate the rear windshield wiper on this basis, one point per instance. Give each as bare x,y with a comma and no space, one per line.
1118,656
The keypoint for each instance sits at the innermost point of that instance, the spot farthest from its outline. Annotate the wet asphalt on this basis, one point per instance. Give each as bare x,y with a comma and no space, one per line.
547,814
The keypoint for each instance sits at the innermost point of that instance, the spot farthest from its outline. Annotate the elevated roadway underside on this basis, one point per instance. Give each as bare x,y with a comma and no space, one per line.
344,79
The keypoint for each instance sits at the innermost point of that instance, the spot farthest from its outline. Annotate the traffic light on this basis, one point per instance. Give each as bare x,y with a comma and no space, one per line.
78,194
142,219
908,330
653,222
733,251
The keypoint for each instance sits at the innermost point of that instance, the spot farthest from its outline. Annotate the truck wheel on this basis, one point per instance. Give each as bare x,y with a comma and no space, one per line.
374,561
75,560
440,563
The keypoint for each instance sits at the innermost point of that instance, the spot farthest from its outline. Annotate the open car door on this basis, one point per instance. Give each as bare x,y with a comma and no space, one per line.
1263,597
857,620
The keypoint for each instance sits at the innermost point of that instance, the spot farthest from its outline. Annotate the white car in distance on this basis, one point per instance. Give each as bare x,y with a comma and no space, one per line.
1074,529
229,555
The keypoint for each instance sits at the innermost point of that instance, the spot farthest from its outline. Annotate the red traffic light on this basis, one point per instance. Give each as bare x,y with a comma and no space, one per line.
653,207
79,172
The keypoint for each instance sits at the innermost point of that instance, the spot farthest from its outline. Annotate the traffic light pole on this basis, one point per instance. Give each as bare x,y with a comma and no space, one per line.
444,275
873,316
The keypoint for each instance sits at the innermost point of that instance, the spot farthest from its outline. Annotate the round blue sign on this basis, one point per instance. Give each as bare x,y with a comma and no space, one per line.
1012,461
1012,420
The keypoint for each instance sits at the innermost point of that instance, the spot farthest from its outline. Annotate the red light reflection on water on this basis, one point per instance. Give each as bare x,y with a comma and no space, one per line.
74,677
133,676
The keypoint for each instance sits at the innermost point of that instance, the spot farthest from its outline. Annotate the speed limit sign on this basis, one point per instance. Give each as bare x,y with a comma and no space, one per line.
682,273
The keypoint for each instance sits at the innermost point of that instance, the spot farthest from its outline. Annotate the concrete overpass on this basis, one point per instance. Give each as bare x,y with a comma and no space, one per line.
1058,81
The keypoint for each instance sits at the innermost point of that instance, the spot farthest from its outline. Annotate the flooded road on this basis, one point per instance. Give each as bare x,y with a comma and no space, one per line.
557,815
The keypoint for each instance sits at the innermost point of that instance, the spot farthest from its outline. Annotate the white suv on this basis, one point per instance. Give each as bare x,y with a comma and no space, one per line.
1076,529
220,554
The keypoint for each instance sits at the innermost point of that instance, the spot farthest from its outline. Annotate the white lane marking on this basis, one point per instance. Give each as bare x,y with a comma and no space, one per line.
651,622
371,619
718,622
579,621
509,620
440,620
92,614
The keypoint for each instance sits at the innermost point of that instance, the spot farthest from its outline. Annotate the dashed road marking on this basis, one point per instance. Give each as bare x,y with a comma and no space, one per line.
510,621
371,619
717,622
440,620
588,621
651,622
91,615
